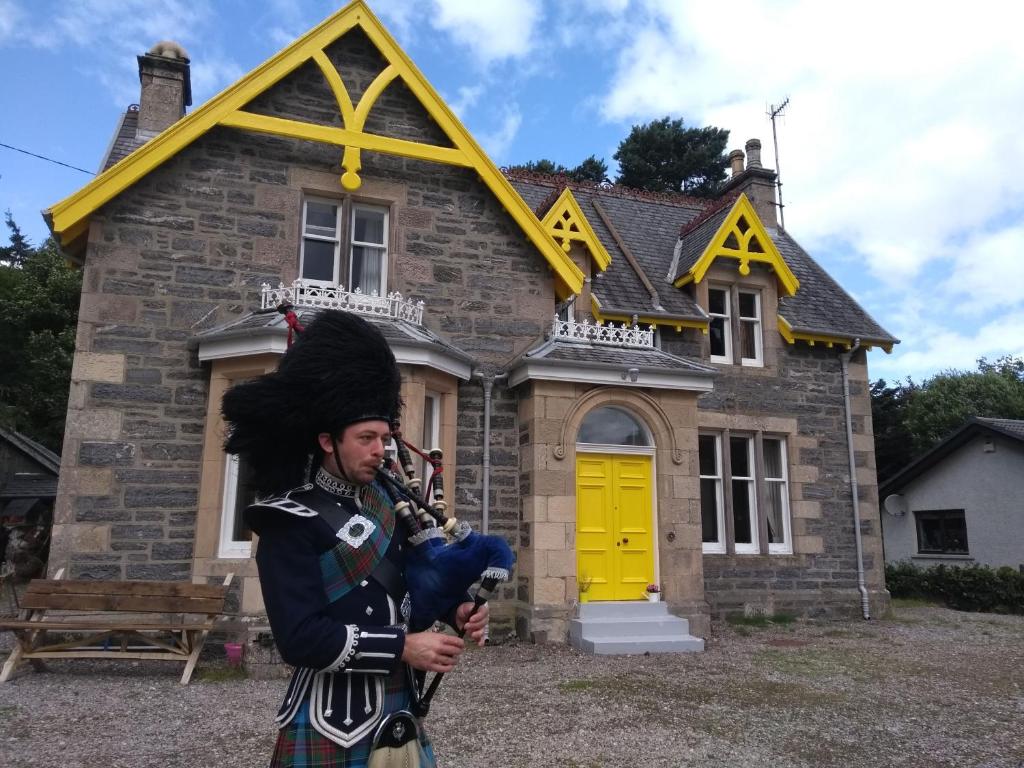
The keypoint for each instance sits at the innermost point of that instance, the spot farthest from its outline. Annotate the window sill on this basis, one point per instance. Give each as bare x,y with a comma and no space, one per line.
940,556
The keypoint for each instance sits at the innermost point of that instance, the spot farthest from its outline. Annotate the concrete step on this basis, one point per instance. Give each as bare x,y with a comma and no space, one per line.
631,627
638,645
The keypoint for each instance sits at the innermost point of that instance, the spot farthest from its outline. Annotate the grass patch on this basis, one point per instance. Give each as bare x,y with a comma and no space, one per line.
221,674
914,602
775,620
570,686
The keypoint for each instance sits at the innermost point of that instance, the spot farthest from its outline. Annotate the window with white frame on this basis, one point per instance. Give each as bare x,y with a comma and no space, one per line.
744,494
431,431
368,253
239,493
776,502
720,327
757,504
325,239
712,505
321,241
750,328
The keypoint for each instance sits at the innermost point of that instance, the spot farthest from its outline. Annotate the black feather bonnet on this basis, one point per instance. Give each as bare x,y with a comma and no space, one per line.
339,371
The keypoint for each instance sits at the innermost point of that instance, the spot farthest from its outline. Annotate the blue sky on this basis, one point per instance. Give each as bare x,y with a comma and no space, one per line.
901,155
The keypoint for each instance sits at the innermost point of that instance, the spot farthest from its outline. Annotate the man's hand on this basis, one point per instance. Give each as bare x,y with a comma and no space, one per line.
477,624
432,651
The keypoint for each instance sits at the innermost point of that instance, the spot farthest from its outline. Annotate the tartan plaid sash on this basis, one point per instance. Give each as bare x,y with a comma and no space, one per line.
356,555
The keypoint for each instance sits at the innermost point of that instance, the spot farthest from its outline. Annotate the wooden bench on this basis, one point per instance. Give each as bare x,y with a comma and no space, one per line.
115,620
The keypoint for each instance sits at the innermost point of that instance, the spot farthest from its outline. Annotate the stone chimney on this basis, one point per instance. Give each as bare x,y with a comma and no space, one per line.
755,181
166,88
754,153
736,162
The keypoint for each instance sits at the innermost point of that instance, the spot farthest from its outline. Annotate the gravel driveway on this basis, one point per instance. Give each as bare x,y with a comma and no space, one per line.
924,687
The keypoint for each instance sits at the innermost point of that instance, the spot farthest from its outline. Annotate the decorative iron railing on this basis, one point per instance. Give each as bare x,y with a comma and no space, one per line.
300,294
597,333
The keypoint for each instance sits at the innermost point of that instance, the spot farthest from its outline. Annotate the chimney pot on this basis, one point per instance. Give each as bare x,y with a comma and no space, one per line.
736,161
166,88
754,153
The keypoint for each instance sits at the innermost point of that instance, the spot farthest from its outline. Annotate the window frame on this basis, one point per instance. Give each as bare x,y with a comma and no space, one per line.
758,488
726,318
354,208
719,546
757,321
337,240
753,547
229,548
785,547
945,516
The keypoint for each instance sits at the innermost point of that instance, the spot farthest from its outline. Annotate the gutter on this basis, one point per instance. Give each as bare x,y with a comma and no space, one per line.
485,508
845,358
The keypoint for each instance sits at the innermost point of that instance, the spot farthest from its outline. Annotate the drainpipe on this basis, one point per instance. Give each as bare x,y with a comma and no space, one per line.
485,510
845,360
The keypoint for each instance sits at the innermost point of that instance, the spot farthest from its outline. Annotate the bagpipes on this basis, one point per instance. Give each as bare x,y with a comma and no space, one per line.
446,556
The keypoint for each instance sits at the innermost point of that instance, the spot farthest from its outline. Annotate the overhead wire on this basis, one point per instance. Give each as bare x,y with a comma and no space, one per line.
47,159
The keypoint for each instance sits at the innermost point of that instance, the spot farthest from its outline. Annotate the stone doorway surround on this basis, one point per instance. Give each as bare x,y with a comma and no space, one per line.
550,415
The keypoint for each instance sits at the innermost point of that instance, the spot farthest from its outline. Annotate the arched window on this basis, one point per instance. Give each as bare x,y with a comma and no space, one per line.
612,426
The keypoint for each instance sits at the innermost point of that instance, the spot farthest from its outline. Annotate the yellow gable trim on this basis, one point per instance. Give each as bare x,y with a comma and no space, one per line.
791,337
68,218
565,222
733,241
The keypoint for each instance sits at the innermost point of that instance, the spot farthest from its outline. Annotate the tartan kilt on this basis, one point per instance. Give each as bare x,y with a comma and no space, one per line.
299,745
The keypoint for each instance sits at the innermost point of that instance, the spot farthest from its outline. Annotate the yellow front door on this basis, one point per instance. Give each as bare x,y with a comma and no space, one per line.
614,542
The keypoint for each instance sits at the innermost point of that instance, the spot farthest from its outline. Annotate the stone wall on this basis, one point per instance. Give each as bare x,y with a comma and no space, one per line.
799,394
187,247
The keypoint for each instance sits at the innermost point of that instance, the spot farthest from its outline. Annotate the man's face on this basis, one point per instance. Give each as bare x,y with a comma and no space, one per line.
360,451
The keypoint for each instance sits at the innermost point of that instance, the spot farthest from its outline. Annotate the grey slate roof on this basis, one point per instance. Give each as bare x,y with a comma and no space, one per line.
1010,427
125,141
606,356
975,426
395,331
42,455
649,228
820,304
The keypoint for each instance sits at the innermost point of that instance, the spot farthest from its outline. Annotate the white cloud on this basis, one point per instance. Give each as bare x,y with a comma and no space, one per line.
492,30
496,143
468,95
900,143
11,16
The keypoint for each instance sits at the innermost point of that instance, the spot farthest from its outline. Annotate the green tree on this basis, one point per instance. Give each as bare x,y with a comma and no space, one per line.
666,156
39,295
945,401
593,169
893,441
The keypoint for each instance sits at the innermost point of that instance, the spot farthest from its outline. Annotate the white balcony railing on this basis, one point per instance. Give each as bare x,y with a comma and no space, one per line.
596,333
300,294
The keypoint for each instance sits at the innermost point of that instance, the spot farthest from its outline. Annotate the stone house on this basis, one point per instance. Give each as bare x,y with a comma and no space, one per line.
960,503
632,388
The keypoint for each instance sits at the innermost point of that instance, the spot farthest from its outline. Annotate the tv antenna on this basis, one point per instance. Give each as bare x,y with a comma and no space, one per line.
773,112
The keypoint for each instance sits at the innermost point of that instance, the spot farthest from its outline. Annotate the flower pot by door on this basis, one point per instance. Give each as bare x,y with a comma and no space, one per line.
653,597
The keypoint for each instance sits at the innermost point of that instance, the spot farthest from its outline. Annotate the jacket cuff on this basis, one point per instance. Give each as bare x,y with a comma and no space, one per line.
376,650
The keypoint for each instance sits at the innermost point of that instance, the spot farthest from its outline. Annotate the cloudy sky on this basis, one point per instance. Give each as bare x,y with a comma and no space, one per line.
901,152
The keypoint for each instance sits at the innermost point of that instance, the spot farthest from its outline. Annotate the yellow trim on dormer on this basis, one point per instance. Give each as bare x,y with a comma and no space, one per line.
565,222
812,339
69,218
731,230
645,320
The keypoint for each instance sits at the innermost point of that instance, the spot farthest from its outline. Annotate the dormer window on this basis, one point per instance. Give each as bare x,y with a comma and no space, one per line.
751,352
324,238
740,342
720,327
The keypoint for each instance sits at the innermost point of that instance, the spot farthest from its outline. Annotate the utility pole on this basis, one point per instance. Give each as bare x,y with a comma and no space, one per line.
773,112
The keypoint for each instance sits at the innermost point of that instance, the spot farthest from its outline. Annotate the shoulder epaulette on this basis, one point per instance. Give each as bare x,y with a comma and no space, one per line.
285,503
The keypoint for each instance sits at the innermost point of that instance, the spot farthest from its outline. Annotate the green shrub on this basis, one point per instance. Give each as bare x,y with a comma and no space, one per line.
965,588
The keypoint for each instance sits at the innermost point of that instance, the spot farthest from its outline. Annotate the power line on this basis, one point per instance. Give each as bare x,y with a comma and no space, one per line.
47,159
